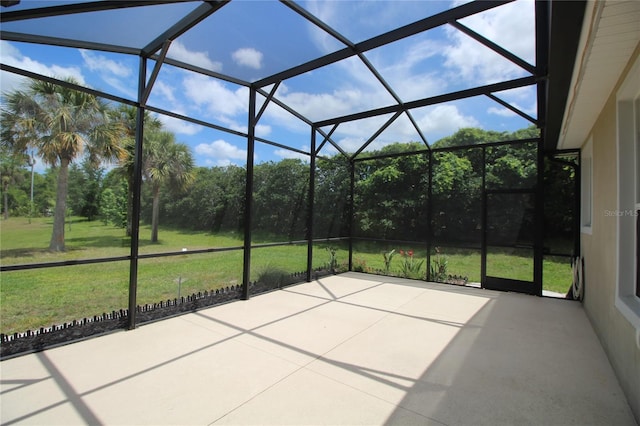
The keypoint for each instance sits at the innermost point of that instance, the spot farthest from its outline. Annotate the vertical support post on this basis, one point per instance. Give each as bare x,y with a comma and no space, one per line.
248,195
310,204
352,211
429,214
483,221
137,191
538,243
542,68
577,206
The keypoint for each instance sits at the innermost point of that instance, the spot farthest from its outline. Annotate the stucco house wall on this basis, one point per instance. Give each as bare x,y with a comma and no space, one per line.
600,250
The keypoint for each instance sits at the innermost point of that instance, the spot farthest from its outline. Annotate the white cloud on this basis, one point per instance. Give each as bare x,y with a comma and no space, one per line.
526,93
507,26
410,72
221,153
279,116
319,106
115,74
502,112
285,153
326,11
104,65
123,86
215,95
505,112
443,120
176,125
180,52
350,144
164,90
11,55
248,57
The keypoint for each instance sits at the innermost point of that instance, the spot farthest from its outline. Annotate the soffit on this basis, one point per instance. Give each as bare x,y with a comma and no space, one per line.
610,34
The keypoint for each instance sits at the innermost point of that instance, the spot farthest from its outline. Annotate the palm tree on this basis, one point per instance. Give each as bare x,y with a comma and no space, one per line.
127,116
61,124
165,162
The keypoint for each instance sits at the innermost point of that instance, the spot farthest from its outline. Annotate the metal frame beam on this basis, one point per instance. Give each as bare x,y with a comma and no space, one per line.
68,9
155,72
203,71
137,195
333,129
493,46
453,96
266,101
376,134
512,108
431,22
192,19
248,194
29,74
207,8
66,42
310,204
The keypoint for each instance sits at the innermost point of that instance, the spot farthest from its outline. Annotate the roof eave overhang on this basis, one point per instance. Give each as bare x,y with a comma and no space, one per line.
566,27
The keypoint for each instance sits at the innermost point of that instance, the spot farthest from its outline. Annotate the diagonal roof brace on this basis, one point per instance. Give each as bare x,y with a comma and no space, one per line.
192,19
203,71
154,73
431,22
266,101
493,46
418,129
326,138
376,134
64,83
68,9
333,143
512,108
462,94
318,22
66,42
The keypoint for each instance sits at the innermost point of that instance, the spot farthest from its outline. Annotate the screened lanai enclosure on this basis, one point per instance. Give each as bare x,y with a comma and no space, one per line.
163,156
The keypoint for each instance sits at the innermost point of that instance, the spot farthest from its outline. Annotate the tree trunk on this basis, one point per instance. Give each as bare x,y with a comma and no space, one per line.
57,236
129,206
6,201
155,213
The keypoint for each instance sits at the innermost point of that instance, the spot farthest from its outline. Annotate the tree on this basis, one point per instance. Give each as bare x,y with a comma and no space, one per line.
113,206
214,202
391,193
126,116
165,162
456,197
281,197
470,136
61,124
84,189
113,199
12,174
332,197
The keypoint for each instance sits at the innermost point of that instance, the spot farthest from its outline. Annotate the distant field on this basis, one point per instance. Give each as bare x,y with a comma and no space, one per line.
34,298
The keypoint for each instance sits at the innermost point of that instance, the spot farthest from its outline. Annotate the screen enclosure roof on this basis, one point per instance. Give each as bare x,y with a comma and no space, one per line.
362,74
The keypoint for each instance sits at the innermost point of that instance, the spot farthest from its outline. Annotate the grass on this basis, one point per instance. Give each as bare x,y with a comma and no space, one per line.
506,263
30,299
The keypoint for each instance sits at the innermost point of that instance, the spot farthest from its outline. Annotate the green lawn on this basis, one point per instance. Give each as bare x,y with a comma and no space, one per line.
35,298
557,273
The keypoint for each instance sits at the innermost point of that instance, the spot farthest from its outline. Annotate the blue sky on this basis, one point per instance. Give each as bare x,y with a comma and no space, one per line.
253,39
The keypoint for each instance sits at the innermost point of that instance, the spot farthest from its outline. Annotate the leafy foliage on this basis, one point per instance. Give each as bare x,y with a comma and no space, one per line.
392,195
61,124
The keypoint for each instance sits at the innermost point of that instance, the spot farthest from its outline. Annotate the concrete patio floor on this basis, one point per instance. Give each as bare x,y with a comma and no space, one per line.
343,350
